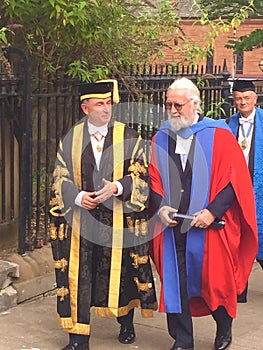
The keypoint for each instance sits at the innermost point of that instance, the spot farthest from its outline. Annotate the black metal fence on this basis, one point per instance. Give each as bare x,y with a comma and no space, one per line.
15,137
36,112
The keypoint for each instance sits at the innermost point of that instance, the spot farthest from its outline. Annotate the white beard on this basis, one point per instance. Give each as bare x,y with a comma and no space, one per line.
178,123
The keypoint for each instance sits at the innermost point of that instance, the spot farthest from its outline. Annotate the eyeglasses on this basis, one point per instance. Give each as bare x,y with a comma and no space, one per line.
178,106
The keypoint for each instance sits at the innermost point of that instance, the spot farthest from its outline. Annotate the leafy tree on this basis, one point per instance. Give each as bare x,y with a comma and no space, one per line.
226,14
90,38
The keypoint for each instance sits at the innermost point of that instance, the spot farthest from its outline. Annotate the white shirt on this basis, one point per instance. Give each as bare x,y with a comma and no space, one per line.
103,130
183,146
246,123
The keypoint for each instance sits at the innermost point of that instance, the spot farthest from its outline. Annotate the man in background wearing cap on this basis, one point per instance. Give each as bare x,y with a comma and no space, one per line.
98,221
247,126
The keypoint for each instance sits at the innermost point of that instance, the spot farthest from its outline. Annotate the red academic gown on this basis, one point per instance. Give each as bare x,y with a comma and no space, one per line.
226,255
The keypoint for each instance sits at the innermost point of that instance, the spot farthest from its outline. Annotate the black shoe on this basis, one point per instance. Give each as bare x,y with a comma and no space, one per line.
260,261
223,341
76,346
180,348
127,335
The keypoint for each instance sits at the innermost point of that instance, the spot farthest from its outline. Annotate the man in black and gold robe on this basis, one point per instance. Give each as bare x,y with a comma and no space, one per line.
99,221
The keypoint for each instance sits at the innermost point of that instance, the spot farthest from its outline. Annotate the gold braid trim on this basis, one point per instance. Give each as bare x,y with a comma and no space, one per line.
139,260
65,322
147,313
62,292
73,327
117,220
142,287
61,264
121,311
60,174
54,213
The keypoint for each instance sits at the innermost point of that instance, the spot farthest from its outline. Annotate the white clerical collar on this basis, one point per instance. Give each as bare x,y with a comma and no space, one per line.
103,129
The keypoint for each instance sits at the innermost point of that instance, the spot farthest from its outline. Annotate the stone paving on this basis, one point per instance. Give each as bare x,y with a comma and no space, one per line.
32,325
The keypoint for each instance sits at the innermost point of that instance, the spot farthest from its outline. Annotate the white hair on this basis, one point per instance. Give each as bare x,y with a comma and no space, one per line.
192,90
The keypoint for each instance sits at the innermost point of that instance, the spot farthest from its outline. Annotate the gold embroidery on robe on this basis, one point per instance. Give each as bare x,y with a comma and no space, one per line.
61,264
138,260
137,227
53,202
130,224
62,292
62,231
137,169
53,232
139,193
143,287
143,227
60,174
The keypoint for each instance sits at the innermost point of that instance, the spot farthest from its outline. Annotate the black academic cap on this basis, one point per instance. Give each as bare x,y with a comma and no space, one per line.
243,85
100,89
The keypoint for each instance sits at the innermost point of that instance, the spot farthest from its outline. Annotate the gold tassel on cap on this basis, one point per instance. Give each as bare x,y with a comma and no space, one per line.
115,92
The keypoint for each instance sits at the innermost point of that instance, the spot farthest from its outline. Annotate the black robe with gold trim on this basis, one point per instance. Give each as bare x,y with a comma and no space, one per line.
101,256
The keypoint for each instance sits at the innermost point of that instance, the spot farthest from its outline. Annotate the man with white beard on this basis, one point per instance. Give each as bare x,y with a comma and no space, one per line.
198,169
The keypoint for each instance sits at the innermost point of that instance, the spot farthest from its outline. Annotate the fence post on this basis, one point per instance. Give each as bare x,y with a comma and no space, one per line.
226,90
25,152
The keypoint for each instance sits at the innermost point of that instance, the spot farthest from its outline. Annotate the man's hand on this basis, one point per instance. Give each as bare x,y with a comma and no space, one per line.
203,218
164,216
108,190
89,201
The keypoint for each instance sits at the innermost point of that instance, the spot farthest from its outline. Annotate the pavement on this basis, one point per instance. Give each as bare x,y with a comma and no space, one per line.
32,325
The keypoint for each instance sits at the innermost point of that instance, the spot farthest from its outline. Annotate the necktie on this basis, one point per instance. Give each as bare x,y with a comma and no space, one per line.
98,137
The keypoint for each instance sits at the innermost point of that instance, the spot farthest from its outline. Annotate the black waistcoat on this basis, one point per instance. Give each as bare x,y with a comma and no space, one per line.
180,184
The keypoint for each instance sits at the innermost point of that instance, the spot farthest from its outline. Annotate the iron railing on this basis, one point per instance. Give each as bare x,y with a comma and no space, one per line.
36,111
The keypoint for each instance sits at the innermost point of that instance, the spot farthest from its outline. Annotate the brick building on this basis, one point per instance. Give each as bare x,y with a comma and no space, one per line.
245,65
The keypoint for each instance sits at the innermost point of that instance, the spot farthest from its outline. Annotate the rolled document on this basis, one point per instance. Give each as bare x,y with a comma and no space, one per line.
181,217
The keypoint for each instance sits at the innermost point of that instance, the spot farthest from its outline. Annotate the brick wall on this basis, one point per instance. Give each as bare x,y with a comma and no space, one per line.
251,59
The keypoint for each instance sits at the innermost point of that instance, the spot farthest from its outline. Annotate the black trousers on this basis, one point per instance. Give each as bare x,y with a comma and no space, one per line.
126,320
180,326
260,262
242,298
